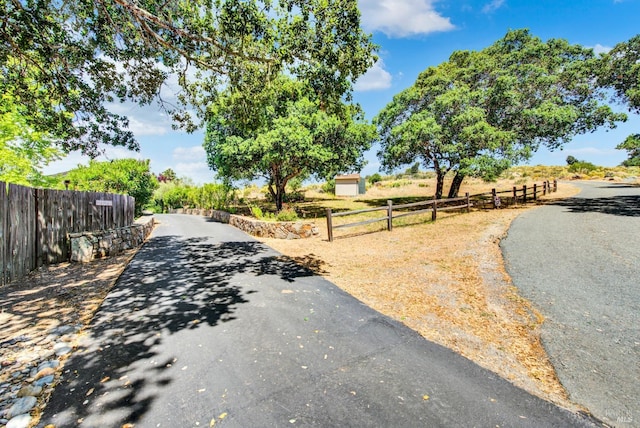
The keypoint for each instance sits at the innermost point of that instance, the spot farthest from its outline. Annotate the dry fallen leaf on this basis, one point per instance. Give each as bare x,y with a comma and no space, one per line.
90,392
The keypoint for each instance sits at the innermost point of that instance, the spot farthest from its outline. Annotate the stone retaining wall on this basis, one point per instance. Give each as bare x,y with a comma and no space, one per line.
252,226
86,246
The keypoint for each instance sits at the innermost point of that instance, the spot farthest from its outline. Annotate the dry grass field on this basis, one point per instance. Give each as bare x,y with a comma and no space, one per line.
444,279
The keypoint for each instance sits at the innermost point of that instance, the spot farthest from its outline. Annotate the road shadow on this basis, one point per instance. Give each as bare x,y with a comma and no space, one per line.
172,285
627,205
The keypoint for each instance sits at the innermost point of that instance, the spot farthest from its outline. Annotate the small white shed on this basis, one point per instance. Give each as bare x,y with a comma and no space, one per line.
349,185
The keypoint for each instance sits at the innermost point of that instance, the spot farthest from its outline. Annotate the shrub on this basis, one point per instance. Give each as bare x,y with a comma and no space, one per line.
287,214
374,178
257,212
329,187
582,167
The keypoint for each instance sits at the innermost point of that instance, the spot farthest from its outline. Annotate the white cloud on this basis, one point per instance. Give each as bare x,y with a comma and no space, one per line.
590,151
492,6
199,172
402,18
599,49
193,153
376,78
139,126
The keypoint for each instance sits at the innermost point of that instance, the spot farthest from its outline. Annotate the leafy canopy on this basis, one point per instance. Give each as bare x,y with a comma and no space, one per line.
632,145
23,151
621,71
66,61
481,112
284,132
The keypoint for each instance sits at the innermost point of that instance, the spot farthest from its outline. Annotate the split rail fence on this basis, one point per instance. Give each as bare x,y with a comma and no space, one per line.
35,224
494,199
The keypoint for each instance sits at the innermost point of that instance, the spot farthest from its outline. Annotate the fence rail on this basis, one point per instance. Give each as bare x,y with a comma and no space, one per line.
35,223
513,196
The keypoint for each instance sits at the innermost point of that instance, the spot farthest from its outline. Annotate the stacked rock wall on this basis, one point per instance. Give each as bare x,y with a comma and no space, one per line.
255,227
86,246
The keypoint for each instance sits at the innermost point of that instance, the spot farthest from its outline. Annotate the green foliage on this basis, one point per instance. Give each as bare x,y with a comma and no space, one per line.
632,146
65,61
481,112
23,151
374,178
256,211
282,133
620,70
179,194
171,195
125,176
571,160
414,169
167,175
286,214
329,186
582,167
217,196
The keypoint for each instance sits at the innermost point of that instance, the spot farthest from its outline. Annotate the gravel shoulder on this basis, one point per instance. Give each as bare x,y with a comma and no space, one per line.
580,269
42,316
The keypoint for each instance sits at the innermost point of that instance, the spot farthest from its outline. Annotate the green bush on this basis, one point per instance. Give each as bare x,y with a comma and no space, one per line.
582,167
124,176
374,178
329,187
287,214
257,212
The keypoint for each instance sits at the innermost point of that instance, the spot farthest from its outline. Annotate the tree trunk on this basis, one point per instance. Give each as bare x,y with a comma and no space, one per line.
455,185
279,198
439,181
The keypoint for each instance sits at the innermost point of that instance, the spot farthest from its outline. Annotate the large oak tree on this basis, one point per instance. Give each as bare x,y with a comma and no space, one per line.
481,112
282,132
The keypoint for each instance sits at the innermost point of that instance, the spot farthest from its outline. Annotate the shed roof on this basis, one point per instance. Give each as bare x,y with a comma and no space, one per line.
348,177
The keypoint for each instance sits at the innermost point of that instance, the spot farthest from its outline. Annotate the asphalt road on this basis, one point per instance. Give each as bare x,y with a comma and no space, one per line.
578,261
209,327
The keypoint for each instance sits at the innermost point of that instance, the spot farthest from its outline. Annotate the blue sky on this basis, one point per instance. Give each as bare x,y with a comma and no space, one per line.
413,35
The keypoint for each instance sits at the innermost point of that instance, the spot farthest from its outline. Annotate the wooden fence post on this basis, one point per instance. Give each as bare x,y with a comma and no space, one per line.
434,213
544,187
515,195
468,202
389,215
524,193
535,192
555,186
494,199
329,225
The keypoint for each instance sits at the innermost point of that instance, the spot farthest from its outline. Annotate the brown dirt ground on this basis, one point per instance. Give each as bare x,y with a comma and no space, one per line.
64,294
446,280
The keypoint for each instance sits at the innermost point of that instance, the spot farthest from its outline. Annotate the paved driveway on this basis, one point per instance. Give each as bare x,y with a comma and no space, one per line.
578,261
209,327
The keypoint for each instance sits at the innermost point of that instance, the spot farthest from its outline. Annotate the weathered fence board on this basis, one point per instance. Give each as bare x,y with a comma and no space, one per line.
4,208
35,223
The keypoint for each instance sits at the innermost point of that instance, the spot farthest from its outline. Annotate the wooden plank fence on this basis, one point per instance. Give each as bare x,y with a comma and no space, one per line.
35,223
495,199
